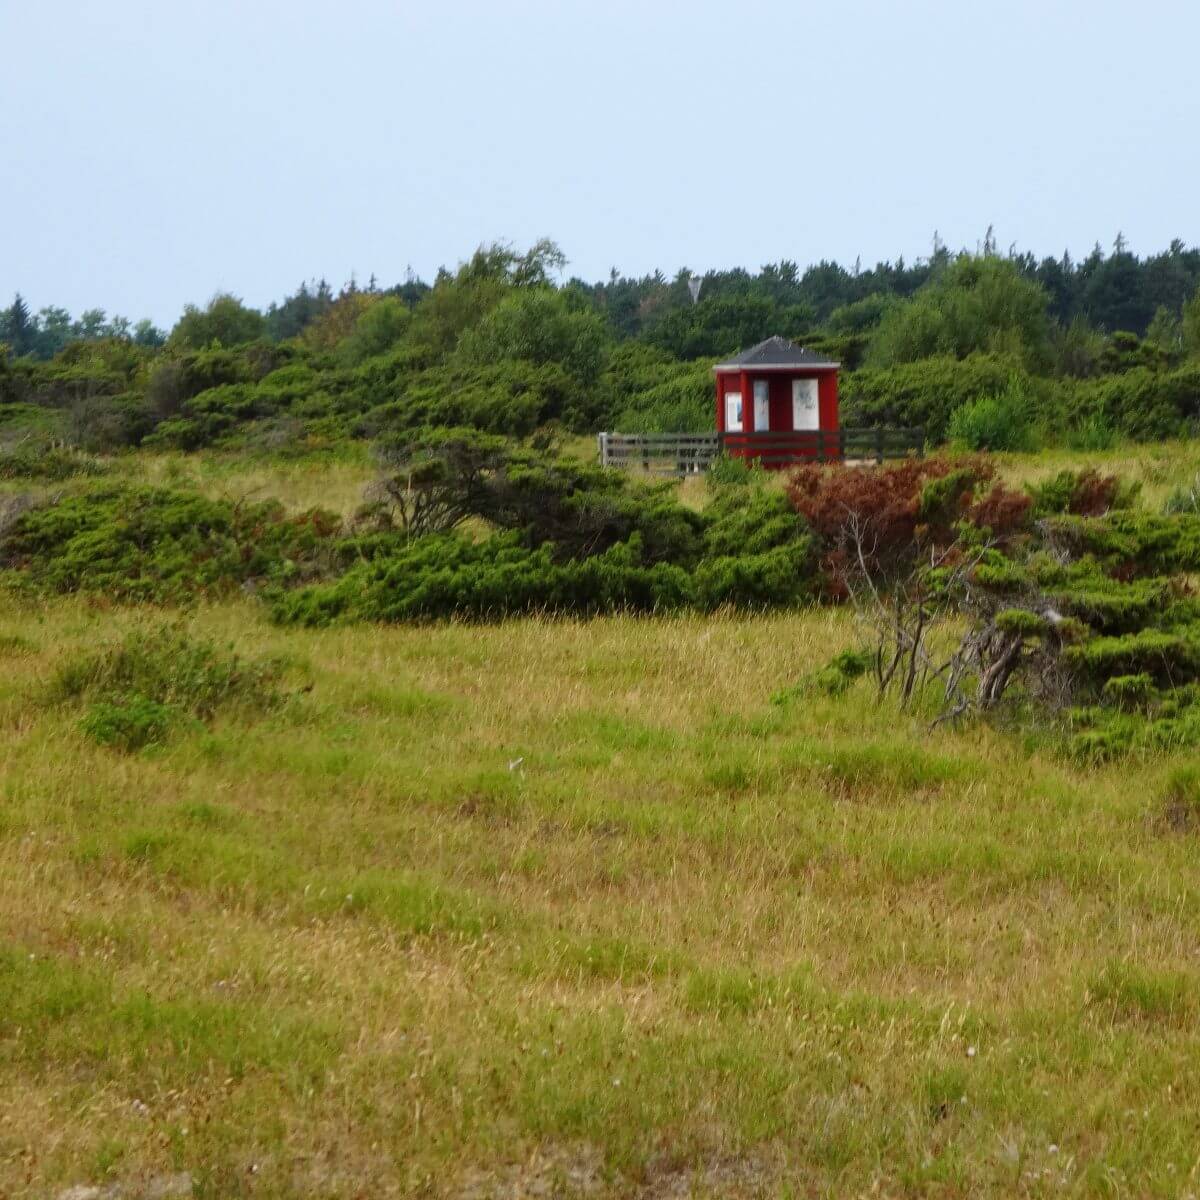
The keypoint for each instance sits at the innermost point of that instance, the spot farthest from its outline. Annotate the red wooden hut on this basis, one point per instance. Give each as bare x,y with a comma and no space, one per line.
781,389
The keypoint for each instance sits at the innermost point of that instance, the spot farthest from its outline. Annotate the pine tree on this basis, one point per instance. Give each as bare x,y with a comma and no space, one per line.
18,328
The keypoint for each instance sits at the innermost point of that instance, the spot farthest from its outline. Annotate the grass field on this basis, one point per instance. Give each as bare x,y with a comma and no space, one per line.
556,908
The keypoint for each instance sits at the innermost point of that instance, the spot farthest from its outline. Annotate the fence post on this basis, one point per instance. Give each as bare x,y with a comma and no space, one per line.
602,443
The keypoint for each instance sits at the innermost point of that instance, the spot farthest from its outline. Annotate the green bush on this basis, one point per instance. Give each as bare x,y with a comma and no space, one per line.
513,398
144,543
976,304
443,575
999,422
156,679
649,391
1130,692
750,521
130,725
1142,403
926,394
780,576
166,665
29,460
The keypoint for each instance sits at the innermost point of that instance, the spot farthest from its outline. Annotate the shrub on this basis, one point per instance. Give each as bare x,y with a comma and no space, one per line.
444,575
729,471
1086,493
999,422
649,391
143,543
779,576
929,392
143,687
875,518
130,725
168,666
1130,692
741,521
513,398
28,460
1142,403
544,326
1131,541
377,329
105,423
436,478
978,303
1095,434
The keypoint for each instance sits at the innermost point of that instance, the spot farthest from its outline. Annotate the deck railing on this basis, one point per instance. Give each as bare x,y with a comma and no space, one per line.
689,453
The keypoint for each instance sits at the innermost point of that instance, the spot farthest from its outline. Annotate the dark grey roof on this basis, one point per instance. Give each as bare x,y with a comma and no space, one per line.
775,352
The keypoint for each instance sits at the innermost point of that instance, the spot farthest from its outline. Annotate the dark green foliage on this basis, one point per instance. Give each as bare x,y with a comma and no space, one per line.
107,423
578,540
1146,543
649,391
926,394
436,478
722,324
1168,657
542,326
445,575
225,321
141,543
1141,403
512,398
977,305
779,576
749,521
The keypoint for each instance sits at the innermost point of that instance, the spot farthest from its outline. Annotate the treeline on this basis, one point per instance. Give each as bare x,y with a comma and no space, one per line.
995,351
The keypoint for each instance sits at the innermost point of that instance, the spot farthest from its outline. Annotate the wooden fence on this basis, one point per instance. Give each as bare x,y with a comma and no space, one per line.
689,453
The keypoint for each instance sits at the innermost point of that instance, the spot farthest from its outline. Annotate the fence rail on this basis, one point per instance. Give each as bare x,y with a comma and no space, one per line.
690,453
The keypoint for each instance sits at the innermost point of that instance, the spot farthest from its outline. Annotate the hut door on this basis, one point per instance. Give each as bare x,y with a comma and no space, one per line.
805,411
762,405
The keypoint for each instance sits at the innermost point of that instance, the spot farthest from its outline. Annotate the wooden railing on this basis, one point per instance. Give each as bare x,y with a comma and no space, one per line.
689,453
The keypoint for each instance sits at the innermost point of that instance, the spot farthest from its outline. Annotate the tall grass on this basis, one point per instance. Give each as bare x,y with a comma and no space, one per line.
555,904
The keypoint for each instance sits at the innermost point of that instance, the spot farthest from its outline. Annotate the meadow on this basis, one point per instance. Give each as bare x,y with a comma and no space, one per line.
558,907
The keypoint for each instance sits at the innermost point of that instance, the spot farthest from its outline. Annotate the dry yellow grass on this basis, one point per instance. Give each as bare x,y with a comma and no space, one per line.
558,905
334,483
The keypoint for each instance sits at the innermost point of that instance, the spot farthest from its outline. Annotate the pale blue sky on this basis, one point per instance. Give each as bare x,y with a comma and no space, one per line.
155,152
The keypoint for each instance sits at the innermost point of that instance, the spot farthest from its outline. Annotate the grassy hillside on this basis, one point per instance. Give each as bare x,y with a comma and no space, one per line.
572,908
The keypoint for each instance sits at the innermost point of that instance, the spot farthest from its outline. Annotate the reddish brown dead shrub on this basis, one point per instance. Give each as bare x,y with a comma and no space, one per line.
1093,493
1002,510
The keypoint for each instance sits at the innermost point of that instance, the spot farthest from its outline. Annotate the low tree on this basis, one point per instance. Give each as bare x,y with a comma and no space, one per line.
225,321
975,304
